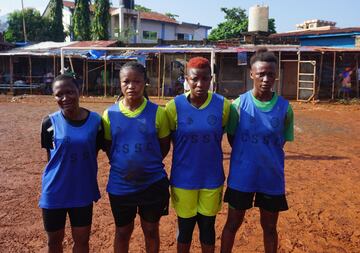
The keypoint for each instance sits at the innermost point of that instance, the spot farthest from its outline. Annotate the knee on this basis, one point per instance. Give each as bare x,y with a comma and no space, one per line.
207,229
81,240
54,244
55,239
269,228
151,231
123,233
185,229
232,227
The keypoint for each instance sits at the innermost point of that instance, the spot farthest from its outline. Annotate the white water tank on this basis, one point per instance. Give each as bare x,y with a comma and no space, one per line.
258,18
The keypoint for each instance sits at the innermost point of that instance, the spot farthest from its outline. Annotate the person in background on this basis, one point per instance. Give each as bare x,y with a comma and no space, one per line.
346,83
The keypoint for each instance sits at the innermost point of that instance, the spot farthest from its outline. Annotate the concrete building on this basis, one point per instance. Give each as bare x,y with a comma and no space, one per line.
315,24
132,26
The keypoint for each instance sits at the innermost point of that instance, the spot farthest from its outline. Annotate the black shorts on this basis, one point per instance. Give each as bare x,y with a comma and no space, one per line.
55,219
151,204
245,200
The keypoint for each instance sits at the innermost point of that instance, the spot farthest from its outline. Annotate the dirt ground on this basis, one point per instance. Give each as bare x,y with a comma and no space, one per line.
322,182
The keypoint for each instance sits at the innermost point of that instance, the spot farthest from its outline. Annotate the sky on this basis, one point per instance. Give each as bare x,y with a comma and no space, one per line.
287,13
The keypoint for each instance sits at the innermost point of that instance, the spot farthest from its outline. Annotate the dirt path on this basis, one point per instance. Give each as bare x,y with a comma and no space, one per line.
322,171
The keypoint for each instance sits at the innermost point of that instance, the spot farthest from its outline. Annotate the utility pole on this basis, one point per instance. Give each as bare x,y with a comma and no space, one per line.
23,16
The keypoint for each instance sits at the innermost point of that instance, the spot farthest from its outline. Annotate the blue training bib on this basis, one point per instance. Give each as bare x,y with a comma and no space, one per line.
197,156
135,159
70,177
257,157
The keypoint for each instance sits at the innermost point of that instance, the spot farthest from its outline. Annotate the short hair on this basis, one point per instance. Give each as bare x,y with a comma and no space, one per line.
262,54
198,63
135,66
66,77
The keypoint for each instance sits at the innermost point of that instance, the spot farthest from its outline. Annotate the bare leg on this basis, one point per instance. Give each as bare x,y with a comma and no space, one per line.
207,248
55,240
122,238
152,237
268,223
183,247
81,237
233,223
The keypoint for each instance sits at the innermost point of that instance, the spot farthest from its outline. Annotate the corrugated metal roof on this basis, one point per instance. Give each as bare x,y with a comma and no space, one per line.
98,43
42,48
53,48
316,32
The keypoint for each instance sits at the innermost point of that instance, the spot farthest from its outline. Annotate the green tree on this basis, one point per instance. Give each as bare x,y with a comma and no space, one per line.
101,20
236,22
142,8
56,23
126,35
271,26
37,28
81,20
171,15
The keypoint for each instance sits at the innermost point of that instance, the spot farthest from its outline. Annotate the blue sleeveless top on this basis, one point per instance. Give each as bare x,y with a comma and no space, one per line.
257,157
135,156
197,157
70,177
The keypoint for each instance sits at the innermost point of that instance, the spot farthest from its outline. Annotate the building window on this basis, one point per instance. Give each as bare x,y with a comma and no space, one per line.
184,36
149,35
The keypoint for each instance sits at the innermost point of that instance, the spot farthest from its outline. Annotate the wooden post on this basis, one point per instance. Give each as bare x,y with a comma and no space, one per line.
298,83
357,75
279,88
163,81
87,77
105,76
62,61
212,62
83,79
30,74
112,79
317,91
159,75
54,65
333,84
11,75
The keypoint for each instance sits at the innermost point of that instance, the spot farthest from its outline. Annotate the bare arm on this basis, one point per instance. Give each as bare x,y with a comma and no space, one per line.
164,145
107,147
230,139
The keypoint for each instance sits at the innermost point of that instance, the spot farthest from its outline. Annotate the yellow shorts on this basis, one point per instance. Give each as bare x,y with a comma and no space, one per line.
187,203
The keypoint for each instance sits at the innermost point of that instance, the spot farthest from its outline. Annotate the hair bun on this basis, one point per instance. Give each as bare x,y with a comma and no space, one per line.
261,50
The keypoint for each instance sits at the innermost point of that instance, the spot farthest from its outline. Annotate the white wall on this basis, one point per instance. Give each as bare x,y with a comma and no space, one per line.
199,34
150,26
185,29
66,21
170,32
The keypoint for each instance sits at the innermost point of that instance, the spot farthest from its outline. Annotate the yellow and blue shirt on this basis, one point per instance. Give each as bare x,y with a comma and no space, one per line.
197,134
135,155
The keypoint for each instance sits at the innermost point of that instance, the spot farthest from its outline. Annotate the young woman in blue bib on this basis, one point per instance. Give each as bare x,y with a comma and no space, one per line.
137,137
260,124
72,137
197,120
